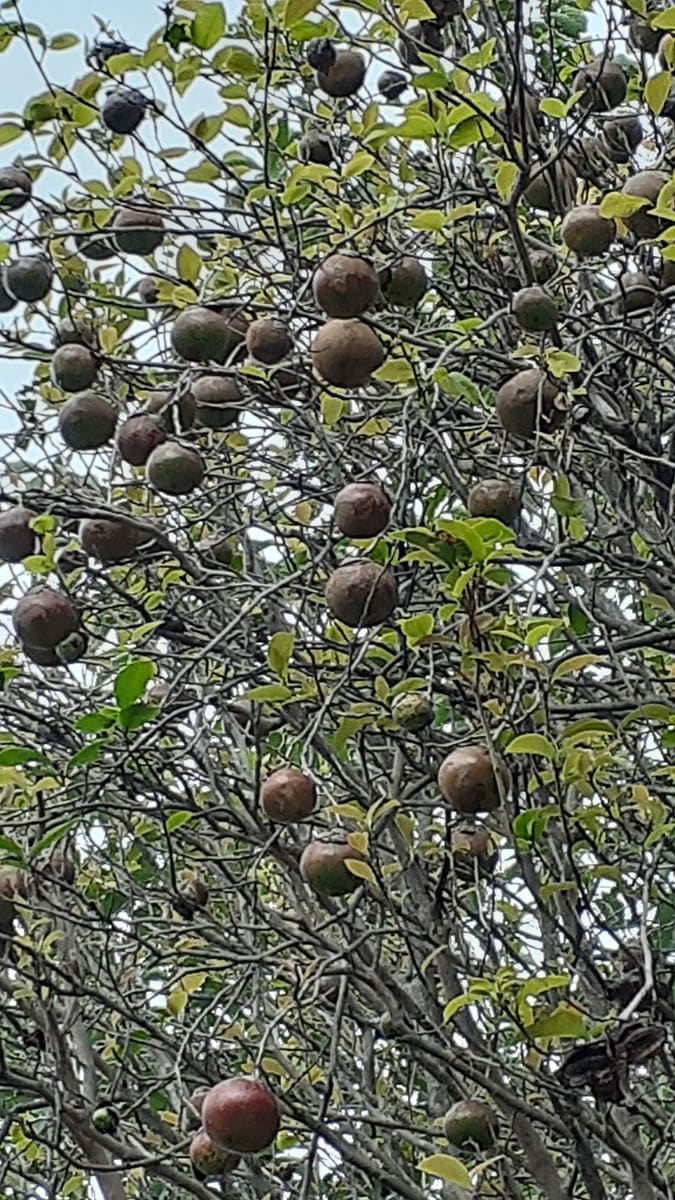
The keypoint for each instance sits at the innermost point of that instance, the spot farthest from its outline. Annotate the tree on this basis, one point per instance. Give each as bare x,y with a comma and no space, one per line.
338,715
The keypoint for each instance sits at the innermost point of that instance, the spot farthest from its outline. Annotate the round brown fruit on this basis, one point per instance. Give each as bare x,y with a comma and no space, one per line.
43,618
288,795
12,884
29,278
621,138
317,148
164,405
552,188
137,230
74,368
208,1160
405,282
586,233
646,185
268,340
635,292
591,160
412,711
200,335
218,399
87,421
468,782
195,892
345,285
345,353
92,245
16,187
17,539
221,551
642,37
70,650
345,75
361,593
137,437
110,541
494,498
424,37
320,53
392,84
361,510
535,310
470,1121
544,265
523,398
473,846
241,1115
192,1109
603,83
175,470
322,866
7,302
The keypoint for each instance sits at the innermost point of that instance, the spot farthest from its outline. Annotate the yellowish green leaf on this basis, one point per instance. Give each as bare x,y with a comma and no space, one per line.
445,1167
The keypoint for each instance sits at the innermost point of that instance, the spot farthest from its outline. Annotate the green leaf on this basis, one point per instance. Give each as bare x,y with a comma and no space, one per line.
54,835
419,126
132,681
177,819
208,26
361,870
417,627
64,41
564,1022
453,1006
561,362
575,664
531,743
9,846
505,178
664,20
270,692
133,716
10,132
432,220
617,204
552,107
279,652
189,264
656,91
176,1001
95,722
444,1166
16,756
296,10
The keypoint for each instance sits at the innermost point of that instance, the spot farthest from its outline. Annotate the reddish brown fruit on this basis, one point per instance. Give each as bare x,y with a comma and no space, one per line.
468,782
345,75
525,397
195,892
110,541
405,282
361,510
241,1115
44,618
361,593
322,867
268,340
645,185
17,539
470,1121
164,406
345,285
345,353
86,421
587,233
494,498
137,437
288,795
208,1161
603,83
175,469
218,398
471,846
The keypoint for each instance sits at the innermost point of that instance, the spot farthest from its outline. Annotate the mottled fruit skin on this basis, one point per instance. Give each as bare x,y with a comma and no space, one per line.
322,866
494,498
519,399
412,711
29,278
470,1121
345,75
17,539
44,618
137,230
468,782
345,285
603,83
241,1115
164,406
123,110
109,541
392,84
200,335
268,340
74,368
315,147
137,437
405,282
534,310
288,795
345,353
361,594
645,184
16,187
208,1160
87,421
175,470
471,847
587,233
218,399
361,510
